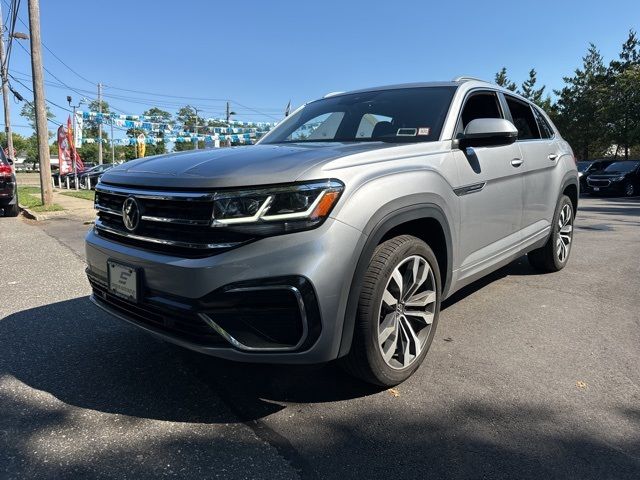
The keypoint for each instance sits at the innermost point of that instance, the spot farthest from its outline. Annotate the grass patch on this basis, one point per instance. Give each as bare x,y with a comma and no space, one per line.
27,198
28,189
85,194
54,207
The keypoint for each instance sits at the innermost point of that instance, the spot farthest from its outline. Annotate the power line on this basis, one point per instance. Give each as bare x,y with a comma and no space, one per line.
44,45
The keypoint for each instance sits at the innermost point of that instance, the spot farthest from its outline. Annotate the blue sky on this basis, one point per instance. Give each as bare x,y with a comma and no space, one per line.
261,54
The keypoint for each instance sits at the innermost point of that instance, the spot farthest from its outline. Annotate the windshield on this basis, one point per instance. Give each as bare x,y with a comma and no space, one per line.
397,115
621,167
582,166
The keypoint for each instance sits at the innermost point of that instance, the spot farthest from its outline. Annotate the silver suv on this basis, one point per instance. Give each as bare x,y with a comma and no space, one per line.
338,235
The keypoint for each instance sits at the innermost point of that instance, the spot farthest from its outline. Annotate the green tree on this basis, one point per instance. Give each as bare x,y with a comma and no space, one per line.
186,118
529,91
90,128
160,116
502,79
29,112
622,108
579,110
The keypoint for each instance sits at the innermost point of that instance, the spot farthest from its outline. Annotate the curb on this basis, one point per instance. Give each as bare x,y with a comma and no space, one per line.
38,217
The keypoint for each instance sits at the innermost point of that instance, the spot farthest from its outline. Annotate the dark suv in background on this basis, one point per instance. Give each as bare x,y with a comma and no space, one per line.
618,178
8,188
588,167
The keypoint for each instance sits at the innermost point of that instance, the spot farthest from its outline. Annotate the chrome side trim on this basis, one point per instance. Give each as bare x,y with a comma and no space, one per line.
156,194
99,226
467,189
240,346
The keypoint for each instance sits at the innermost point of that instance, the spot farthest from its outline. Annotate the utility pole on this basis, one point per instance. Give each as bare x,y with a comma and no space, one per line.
100,123
113,148
228,113
196,127
38,100
5,93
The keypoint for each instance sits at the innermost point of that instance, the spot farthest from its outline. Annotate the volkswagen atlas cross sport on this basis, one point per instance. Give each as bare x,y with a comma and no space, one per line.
337,235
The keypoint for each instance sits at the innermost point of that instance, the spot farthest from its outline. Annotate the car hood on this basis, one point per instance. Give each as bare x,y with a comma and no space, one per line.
233,166
606,176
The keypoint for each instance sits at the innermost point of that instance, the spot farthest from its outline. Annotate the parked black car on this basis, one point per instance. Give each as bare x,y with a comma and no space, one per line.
8,188
93,175
588,167
620,178
57,178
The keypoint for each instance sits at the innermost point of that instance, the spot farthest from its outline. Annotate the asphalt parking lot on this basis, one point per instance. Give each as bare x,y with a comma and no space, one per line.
529,376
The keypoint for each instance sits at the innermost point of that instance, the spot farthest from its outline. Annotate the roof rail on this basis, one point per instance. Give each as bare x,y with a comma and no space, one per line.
465,78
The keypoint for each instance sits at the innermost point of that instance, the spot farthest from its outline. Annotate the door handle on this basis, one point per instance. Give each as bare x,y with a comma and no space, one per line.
552,156
516,162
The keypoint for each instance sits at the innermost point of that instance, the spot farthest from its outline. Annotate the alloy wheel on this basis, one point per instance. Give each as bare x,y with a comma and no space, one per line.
406,312
565,233
629,190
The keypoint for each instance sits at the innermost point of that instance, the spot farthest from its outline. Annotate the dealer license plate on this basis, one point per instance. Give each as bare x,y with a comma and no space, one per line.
123,280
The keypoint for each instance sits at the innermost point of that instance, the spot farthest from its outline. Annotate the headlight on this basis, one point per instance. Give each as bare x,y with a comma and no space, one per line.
277,209
618,179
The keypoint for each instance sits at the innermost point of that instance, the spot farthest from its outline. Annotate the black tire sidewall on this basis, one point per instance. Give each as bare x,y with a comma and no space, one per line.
383,372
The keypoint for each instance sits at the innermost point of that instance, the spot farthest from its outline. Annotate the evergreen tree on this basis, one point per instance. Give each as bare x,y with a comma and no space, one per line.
580,106
530,91
622,108
502,80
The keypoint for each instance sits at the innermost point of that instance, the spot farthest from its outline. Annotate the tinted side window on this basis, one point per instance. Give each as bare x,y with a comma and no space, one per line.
545,129
480,105
523,119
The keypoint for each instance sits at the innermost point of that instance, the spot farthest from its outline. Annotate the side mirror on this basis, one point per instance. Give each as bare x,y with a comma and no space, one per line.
10,161
488,132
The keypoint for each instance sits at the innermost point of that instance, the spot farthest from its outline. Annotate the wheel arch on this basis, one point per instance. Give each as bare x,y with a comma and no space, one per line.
571,188
426,221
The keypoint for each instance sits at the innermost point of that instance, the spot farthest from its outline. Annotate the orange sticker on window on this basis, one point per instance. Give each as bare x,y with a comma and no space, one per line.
424,130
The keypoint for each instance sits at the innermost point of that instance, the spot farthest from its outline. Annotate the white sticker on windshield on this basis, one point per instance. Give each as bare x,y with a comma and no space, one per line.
424,130
407,132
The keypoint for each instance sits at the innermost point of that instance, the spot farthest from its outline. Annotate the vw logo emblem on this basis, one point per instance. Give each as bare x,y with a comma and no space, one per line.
130,213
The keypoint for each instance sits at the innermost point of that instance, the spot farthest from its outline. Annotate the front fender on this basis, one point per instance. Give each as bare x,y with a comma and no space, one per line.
391,215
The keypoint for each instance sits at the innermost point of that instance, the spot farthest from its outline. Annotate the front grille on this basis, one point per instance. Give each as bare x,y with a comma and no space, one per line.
185,325
170,222
598,183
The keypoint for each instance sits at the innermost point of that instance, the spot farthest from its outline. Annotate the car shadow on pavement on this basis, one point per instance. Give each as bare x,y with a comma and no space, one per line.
86,358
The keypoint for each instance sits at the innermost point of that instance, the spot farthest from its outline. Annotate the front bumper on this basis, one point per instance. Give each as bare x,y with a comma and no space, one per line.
310,271
603,188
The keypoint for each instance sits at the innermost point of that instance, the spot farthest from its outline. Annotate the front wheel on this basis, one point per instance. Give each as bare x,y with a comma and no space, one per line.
553,256
629,190
397,312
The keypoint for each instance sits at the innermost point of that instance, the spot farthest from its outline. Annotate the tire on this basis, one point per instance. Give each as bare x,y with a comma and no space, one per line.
553,256
412,321
629,190
11,210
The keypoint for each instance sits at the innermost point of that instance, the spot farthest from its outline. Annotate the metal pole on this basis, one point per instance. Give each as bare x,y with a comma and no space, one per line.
75,160
196,127
39,102
5,93
113,148
100,124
